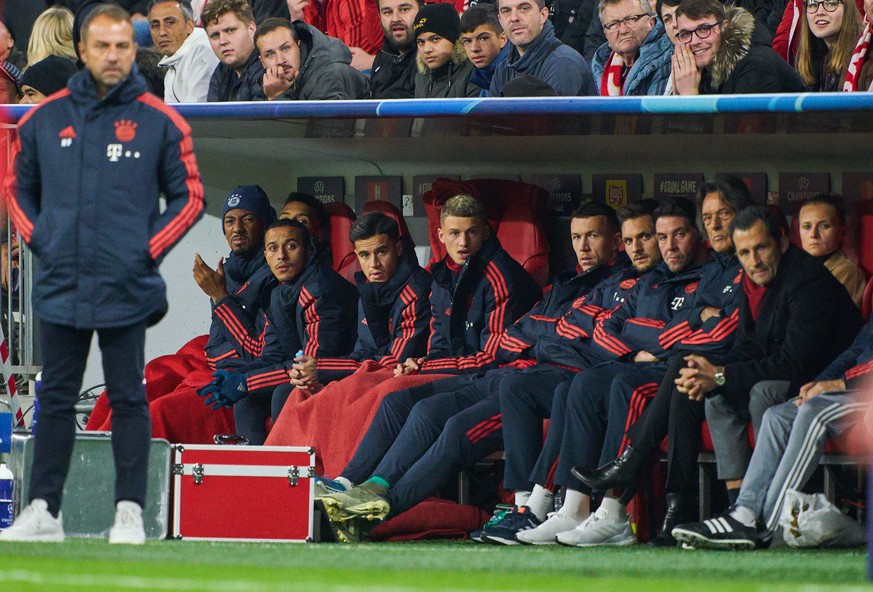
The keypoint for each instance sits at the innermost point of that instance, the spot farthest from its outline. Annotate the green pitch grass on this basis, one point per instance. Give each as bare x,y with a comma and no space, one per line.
189,566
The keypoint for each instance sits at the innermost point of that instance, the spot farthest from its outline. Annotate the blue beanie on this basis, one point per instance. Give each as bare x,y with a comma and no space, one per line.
253,199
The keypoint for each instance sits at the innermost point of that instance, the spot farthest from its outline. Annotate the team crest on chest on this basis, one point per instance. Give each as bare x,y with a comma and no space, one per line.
125,130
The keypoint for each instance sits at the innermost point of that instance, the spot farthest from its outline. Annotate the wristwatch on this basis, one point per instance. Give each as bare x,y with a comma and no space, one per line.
719,376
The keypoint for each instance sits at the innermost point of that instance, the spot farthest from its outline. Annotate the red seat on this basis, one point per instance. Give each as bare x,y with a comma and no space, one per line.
515,211
390,210
340,217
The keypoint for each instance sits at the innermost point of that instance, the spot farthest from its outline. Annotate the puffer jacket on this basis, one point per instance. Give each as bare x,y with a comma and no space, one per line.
451,80
651,71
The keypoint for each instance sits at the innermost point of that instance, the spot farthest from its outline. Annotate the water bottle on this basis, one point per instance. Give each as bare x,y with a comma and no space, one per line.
6,487
37,383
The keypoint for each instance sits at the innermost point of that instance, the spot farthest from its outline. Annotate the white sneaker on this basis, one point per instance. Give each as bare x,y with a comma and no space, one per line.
545,533
128,528
599,529
35,524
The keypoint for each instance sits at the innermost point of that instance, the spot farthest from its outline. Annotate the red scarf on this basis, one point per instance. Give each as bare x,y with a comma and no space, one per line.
610,81
754,294
858,59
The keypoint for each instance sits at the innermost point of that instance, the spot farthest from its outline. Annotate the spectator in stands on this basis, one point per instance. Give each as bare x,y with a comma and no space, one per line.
860,73
302,63
822,226
311,311
231,29
147,59
636,58
393,309
721,50
187,55
788,449
443,69
828,35
484,42
666,10
45,77
786,337
714,315
8,51
354,22
393,73
52,34
10,84
538,53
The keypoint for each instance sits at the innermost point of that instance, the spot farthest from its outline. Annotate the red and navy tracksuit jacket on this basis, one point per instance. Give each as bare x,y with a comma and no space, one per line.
856,363
315,314
236,335
471,309
393,321
84,193
537,337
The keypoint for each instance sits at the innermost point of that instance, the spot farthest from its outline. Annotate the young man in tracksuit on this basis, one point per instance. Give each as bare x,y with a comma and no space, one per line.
712,322
461,423
90,164
393,309
633,332
478,290
311,310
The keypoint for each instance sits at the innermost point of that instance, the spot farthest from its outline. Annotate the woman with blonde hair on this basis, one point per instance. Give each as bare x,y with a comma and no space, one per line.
828,36
52,34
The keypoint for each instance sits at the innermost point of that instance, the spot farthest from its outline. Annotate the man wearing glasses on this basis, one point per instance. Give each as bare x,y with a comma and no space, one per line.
720,50
635,60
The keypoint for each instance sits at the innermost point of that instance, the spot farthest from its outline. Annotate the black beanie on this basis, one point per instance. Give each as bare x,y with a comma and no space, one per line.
438,18
253,199
50,75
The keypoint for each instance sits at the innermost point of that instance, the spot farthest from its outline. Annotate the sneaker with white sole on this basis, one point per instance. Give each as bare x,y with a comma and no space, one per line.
35,524
599,529
545,533
505,532
128,528
721,532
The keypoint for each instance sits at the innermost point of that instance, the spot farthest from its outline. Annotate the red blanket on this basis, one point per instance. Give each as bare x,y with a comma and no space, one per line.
334,420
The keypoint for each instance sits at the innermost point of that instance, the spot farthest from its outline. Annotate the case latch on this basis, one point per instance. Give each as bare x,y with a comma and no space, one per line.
293,475
198,472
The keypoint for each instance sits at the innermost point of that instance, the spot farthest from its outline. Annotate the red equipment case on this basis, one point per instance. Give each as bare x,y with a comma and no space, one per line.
243,493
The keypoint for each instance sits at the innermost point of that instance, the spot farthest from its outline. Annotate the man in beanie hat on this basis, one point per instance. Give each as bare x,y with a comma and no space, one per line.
538,52
44,78
443,69
10,83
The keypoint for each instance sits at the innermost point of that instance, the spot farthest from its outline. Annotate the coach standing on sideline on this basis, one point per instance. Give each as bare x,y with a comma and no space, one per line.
90,163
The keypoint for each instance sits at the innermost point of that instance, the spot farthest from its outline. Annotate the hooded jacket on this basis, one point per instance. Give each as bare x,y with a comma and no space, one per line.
189,70
451,80
651,70
393,74
325,69
471,309
393,320
549,60
84,193
314,313
225,85
745,62
482,77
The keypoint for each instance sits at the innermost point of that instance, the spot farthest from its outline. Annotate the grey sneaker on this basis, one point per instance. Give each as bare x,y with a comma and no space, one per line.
128,528
35,524
545,533
599,529
362,501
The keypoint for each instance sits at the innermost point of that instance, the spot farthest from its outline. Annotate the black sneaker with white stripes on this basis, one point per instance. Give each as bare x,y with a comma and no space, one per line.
721,532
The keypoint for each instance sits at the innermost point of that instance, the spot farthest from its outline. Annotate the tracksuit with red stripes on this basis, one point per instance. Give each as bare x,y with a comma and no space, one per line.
671,413
646,322
315,314
236,335
460,423
526,399
84,193
393,321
